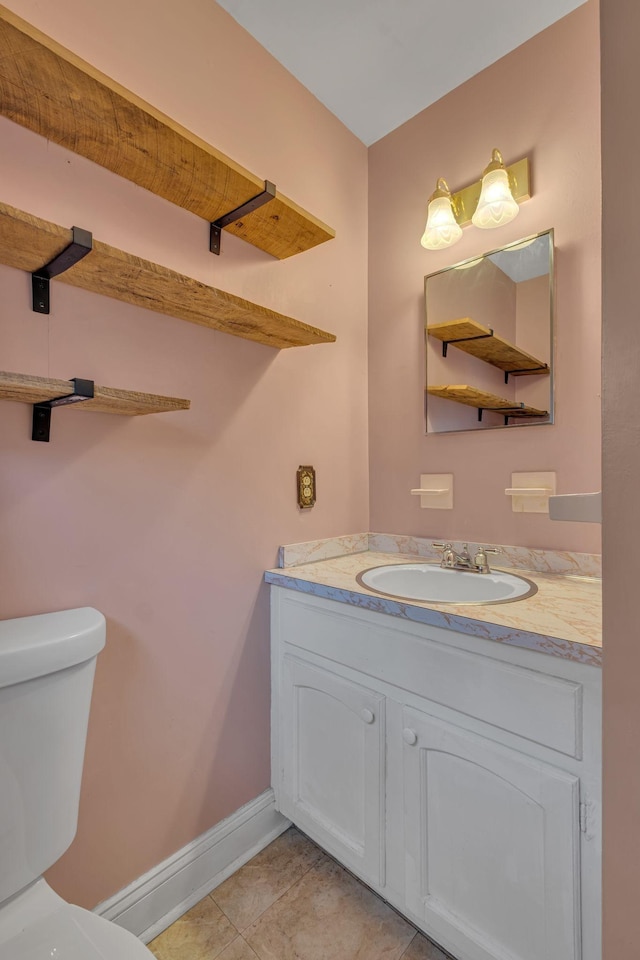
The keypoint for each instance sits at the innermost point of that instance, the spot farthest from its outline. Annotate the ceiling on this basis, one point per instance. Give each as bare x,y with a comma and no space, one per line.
524,261
376,63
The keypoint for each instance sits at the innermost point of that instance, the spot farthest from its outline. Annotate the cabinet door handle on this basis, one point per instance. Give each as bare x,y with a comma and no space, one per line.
409,736
367,715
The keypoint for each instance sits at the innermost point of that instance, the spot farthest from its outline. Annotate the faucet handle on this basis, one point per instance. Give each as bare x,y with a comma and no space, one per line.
447,559
480,560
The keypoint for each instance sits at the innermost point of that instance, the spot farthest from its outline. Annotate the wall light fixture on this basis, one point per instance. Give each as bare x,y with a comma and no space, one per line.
442,228
487,203
496,205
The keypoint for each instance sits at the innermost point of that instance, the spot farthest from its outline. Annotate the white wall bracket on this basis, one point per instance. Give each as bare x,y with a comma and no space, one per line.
530,492
435,491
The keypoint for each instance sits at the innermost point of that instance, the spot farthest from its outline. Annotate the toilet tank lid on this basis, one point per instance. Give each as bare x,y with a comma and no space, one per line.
35,646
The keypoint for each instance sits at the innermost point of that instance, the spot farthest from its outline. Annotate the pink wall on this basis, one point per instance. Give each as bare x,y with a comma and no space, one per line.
621,469
167,523
533,335
542,101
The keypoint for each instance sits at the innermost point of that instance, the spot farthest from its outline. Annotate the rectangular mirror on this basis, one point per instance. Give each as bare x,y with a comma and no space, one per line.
489,325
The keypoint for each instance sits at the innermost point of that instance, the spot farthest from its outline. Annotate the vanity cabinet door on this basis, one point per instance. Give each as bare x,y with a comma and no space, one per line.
491,845
332,734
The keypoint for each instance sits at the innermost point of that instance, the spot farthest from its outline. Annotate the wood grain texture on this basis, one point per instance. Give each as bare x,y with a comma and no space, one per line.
27,389
51,91
492,348
473,397
27,242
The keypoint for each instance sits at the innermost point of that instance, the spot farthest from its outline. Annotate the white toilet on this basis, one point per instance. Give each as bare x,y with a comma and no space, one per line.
47,665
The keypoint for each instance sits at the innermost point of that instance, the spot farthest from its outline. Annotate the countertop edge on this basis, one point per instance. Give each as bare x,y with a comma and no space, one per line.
553,646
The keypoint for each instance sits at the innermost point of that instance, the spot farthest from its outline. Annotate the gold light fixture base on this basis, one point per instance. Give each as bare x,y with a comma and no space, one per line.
465,201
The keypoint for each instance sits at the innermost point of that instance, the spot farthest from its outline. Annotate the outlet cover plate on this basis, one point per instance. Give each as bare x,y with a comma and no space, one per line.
306,483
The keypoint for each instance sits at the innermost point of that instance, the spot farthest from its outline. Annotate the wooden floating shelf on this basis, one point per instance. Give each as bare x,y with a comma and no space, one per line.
26,242
26,389
472,397
480,341
51,91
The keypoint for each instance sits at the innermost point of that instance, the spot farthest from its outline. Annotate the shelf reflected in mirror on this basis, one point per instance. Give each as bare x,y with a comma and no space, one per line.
489,339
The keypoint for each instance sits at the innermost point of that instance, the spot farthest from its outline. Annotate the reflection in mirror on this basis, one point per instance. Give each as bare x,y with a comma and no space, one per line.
490,339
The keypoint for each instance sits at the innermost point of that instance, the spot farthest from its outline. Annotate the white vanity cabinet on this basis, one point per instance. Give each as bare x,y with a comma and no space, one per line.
457,776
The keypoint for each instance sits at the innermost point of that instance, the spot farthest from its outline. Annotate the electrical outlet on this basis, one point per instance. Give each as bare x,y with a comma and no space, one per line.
306,477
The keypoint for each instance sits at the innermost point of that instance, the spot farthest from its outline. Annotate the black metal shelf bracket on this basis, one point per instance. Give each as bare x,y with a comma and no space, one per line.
480,336
215,235
80,246
506,411
41,425
517,410
516,373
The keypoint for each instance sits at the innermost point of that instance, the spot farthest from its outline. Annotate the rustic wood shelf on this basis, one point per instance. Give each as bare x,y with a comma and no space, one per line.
480,341
473,397
51,91
26,242
26,389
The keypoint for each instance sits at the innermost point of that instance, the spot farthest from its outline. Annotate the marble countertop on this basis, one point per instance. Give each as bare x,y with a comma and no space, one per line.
562,619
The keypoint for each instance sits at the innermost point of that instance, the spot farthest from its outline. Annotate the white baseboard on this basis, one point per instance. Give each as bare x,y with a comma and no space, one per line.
150,904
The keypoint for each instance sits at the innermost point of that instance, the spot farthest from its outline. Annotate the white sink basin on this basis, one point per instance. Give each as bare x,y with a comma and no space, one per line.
430,582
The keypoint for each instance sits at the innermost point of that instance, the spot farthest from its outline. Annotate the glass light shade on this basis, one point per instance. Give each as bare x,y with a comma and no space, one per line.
442,229
496,205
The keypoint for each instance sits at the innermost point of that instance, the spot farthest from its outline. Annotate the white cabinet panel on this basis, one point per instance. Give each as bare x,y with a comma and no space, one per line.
492,845
333,740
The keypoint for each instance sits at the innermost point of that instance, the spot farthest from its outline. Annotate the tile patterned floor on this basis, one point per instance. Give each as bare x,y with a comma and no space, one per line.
292,902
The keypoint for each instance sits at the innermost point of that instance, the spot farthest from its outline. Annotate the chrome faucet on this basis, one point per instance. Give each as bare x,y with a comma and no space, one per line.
452,560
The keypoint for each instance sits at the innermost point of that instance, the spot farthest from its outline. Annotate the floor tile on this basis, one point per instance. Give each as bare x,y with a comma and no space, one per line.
201,934
254,887
238,950
329,915
422,949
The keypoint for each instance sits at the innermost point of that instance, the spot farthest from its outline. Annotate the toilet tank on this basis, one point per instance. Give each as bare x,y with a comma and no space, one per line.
47,665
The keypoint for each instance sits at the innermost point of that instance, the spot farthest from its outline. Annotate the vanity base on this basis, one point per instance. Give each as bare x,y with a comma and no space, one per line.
458,777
